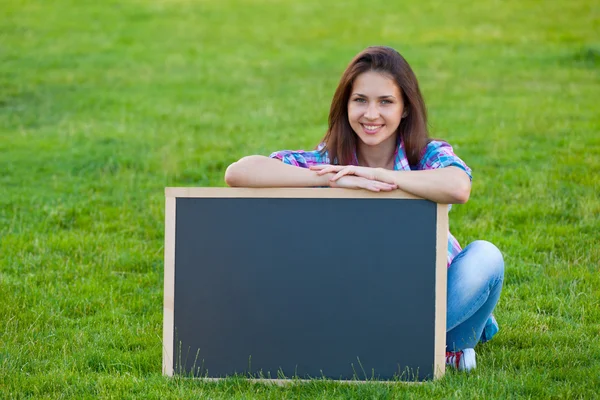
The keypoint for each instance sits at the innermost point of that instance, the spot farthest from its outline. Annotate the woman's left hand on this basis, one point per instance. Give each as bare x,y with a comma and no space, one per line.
375,174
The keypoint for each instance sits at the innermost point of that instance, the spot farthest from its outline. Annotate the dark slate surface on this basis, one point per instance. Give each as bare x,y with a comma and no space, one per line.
341,288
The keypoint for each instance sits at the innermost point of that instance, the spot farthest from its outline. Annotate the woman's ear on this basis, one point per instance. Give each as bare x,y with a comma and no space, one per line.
404,113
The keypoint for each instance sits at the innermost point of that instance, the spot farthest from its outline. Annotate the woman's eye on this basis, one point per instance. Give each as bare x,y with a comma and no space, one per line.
359,100
386,102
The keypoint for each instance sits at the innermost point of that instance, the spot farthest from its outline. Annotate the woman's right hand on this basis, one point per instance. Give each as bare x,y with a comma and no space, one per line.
357,182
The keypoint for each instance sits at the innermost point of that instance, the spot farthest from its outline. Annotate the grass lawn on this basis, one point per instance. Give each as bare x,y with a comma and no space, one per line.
103,104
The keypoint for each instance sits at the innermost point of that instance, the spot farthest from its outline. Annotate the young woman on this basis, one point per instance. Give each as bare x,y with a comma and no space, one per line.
377,140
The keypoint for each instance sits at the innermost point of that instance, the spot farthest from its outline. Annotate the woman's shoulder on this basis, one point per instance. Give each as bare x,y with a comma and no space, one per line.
302,158
440,154
436,148
436,145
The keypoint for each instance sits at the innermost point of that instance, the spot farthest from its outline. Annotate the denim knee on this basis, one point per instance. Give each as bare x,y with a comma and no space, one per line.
490,256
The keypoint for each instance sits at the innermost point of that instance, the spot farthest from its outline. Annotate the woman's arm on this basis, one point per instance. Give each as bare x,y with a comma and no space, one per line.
260,171
449,185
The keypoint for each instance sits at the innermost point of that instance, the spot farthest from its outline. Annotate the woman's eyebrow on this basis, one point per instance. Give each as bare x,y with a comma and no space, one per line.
380,97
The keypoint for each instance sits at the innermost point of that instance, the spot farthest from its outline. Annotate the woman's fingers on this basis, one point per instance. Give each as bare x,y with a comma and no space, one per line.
351,182
375,186
371,187
384,186
367,173
325,168
326,171
356,182
388,188
343,172
348,181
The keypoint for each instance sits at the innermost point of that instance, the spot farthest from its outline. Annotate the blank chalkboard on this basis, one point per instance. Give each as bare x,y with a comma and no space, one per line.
304,283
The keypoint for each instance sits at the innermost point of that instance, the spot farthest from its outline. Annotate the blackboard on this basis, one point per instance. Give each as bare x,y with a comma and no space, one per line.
304,283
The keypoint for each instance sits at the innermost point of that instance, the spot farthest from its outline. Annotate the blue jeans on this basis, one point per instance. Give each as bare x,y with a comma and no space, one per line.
475,279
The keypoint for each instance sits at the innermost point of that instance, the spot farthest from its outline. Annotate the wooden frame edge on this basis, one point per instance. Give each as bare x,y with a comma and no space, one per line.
441,279
284,193
169,286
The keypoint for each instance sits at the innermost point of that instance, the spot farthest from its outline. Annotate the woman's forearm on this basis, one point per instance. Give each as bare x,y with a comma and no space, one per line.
449,185
261,171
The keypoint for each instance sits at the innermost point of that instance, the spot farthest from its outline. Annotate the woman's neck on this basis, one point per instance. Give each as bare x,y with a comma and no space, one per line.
380,156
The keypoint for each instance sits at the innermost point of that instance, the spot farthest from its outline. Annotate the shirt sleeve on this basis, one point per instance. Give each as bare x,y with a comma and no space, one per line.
301,158
439,154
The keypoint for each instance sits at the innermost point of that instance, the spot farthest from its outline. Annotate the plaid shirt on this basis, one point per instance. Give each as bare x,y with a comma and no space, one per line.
437,154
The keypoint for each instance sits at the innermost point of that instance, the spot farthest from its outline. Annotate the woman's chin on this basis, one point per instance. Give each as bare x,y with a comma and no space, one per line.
373,140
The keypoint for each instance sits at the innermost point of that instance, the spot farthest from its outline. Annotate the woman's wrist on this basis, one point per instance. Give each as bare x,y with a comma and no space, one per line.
325,180
386,175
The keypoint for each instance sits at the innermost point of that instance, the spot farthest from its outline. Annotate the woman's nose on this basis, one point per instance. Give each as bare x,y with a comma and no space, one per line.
372,112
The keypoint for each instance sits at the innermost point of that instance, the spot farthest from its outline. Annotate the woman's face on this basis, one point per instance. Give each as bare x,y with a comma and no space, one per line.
375,107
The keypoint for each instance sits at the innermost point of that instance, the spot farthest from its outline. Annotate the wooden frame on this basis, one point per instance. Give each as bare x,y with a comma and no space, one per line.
172,194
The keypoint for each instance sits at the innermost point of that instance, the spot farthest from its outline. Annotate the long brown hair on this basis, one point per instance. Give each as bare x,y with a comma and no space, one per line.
340,139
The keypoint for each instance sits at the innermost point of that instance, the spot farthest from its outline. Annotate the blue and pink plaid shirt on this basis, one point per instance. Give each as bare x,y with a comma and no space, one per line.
437,154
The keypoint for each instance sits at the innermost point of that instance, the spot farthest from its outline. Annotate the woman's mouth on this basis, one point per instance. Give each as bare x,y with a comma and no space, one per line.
371,129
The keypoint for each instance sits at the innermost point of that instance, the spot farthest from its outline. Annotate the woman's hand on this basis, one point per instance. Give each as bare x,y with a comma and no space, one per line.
357,182
351,177
448,185
372,174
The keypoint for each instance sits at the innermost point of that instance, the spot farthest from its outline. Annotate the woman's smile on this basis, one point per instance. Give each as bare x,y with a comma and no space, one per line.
371,129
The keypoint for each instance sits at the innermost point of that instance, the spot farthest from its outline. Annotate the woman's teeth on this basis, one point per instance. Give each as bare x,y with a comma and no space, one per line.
372,127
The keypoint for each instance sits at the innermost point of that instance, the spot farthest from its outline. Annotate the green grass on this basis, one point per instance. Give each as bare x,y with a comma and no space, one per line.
103,104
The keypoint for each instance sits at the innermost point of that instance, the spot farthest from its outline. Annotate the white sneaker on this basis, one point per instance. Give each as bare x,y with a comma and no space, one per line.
463,360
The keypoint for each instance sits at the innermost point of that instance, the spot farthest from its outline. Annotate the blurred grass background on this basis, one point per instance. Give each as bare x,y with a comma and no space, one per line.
104,104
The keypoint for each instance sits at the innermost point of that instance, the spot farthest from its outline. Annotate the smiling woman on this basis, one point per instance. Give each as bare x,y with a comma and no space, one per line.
377,140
